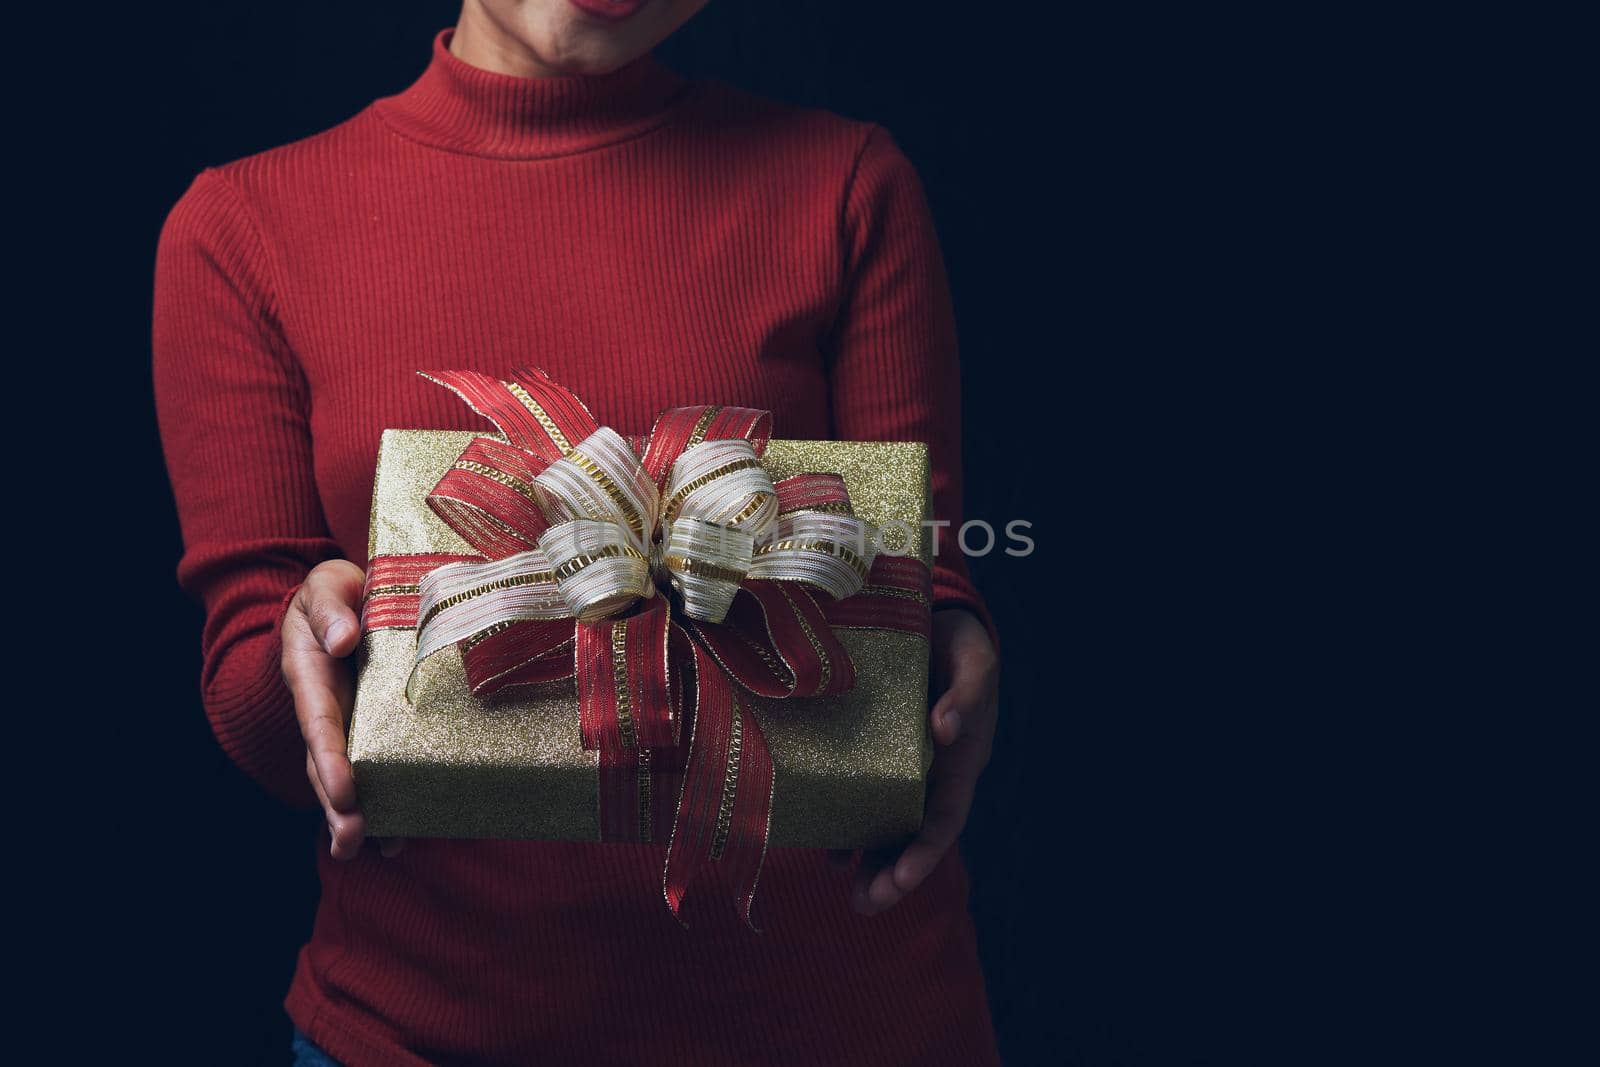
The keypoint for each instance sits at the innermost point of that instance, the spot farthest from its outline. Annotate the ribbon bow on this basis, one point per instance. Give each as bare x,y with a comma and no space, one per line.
579,530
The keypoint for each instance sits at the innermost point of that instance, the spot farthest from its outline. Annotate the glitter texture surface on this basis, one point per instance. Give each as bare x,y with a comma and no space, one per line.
849,769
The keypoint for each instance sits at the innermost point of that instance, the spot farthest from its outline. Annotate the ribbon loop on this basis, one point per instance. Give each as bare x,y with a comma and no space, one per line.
776,643
831,552
525,652
487,497
706,561
679,429
596,567
722,482
600,478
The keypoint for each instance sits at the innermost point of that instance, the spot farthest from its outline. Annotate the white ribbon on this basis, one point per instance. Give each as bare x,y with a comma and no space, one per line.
613,533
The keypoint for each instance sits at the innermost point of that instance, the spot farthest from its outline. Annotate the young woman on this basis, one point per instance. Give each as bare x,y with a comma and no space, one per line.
546,193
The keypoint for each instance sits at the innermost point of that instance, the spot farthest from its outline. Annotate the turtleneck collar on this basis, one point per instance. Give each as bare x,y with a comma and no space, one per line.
462,108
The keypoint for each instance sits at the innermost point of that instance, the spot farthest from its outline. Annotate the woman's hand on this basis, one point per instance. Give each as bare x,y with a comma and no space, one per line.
320,630
966,674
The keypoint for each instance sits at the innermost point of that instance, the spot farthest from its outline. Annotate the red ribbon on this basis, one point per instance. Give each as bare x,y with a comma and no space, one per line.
660,696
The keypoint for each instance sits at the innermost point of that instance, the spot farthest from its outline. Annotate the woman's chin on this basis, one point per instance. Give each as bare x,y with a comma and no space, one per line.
589,54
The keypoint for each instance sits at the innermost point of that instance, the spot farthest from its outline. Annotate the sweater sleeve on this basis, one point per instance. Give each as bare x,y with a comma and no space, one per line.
233,410
894,371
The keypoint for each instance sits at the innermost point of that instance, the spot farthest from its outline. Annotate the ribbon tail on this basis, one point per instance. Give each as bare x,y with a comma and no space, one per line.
540,416
624,676
751,827
630,711
725,809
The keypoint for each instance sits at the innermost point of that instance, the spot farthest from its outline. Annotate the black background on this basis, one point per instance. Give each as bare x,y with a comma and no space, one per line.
1086,179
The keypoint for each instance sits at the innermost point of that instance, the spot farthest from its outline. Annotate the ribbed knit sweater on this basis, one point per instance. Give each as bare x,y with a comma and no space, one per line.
651,242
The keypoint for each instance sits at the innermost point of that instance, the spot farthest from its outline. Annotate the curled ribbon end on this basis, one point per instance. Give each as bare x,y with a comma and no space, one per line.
674,904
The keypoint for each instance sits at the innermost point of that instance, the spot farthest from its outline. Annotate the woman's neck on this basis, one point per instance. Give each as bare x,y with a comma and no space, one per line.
487,45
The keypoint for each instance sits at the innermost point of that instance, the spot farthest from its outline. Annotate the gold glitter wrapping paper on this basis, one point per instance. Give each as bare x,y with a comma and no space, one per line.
849,769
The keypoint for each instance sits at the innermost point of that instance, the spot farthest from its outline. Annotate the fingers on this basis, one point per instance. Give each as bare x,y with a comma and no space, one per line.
346,830
329,597
946,816
320,629
322,695
946,716
873,889
967,707
967,671
963,724
884,879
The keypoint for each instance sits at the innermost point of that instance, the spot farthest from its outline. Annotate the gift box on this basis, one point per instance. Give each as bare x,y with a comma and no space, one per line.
434,758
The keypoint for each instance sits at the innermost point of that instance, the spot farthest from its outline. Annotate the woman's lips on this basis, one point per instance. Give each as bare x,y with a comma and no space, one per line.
610,10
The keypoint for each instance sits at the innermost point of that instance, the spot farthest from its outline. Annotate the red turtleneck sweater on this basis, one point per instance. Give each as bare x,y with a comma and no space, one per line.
652,243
